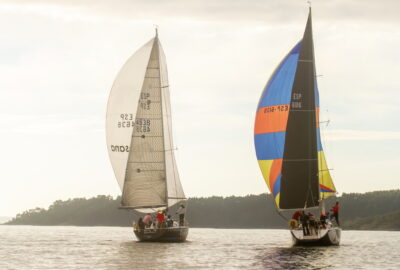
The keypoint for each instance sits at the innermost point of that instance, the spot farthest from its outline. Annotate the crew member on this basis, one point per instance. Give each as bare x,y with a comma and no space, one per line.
304,223
160,218
335,211
181,212
147,220
296,215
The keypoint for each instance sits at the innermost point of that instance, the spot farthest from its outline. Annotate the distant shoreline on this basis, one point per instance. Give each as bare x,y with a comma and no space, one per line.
375,211
95,226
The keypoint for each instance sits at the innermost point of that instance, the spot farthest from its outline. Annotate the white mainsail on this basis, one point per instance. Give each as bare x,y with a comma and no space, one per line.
139,132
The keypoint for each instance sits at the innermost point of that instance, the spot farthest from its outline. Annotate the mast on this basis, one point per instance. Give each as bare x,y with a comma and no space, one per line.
156,40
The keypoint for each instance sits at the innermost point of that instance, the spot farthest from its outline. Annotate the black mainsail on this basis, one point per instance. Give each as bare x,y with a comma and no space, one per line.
299,184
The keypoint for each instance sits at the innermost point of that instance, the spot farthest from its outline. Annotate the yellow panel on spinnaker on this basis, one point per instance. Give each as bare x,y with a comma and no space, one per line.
327,188
265,166
277,199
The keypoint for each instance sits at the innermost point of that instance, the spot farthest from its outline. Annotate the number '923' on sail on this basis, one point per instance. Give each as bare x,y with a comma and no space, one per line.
140,146
288,145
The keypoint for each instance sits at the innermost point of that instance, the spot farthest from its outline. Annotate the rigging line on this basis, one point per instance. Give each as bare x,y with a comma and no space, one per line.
279,213
162,120
150,118
310,143
300,159
168,114
303,110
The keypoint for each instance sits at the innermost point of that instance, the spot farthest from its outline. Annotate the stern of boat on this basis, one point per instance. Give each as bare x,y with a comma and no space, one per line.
321,237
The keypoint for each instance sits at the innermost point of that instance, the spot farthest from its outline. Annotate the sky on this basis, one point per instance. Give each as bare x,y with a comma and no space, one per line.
58,61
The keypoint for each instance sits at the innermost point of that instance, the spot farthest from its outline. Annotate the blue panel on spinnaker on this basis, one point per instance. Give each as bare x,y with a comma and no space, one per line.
279,88
277,185
269,145
316,94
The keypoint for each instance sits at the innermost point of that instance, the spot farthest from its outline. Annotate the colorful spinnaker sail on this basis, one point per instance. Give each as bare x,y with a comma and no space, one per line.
286,133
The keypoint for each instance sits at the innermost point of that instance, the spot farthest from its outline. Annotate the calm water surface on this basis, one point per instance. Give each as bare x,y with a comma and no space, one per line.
31,247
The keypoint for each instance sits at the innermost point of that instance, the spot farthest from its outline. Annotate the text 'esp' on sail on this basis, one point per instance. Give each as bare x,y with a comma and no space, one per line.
139,132
287,135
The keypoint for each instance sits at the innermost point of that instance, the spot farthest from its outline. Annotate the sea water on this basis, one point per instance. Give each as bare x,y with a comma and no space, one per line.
37,247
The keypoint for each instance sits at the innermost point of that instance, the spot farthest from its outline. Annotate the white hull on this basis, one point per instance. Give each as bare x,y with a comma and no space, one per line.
324,237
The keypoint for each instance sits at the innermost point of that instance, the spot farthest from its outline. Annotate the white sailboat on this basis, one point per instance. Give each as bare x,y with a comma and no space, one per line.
139,141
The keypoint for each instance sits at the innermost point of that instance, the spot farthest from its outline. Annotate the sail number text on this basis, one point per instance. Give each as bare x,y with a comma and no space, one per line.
296,101
276,108
144,101
127,121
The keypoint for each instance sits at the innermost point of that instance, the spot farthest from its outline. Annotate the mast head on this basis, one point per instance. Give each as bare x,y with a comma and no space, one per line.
156,28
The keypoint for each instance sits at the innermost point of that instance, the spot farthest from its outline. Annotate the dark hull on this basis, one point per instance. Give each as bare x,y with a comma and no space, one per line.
172,234
330,238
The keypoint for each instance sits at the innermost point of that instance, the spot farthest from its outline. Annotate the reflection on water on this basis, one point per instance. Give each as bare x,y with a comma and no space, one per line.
73,248
296,257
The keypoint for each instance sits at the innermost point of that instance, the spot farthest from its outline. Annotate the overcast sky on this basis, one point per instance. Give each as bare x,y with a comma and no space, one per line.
58,60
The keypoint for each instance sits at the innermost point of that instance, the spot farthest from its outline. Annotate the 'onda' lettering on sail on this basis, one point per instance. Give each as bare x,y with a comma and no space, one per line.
119,148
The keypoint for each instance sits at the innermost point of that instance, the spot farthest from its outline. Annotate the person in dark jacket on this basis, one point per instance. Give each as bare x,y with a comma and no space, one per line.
181,212
141,223
304,223
170,222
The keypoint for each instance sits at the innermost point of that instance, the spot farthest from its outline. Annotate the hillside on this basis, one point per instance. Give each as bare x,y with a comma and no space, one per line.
372,210
386,222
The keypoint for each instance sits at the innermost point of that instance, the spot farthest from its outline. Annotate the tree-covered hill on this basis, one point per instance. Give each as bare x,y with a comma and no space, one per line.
372,210
386,222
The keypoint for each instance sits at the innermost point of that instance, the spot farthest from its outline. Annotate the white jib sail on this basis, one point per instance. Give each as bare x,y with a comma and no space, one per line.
147,174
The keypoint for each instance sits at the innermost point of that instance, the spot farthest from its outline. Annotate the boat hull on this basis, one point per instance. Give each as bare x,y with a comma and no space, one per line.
325,237
171,234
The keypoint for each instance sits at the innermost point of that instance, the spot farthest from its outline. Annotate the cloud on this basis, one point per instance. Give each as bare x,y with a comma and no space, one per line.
50,124
238,11
357,135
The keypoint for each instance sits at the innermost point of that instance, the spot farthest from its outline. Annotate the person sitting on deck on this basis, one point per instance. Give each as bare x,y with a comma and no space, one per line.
147,220
140,223
322,219
313,228
170,222
335,212
160,219
304,223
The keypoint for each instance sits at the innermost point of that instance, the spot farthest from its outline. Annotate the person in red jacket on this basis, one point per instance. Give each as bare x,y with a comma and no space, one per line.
160,218
296,215
335,211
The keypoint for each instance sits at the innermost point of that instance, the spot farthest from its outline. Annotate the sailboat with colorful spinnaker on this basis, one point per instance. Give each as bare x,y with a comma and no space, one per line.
288,145
140,146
